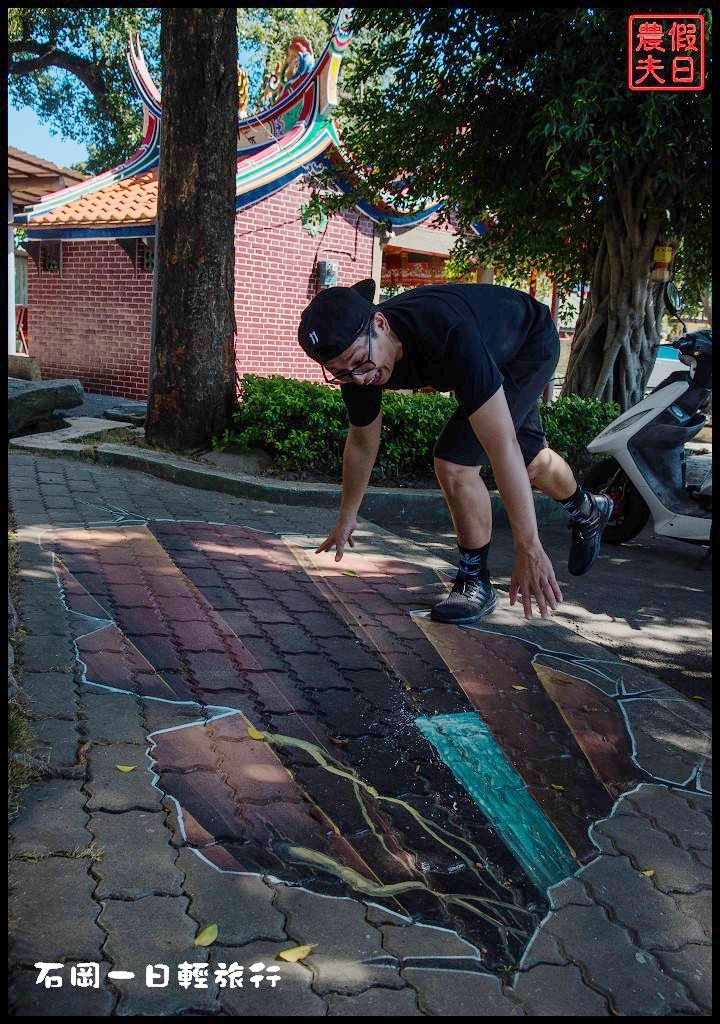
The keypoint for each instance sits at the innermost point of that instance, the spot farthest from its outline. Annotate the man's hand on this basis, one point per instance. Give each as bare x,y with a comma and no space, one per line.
340,536
534,576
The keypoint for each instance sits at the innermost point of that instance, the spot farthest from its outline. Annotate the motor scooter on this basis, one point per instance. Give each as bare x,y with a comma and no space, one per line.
648,471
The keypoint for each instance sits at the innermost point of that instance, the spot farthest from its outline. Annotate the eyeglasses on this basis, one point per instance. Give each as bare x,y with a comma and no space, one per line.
343,376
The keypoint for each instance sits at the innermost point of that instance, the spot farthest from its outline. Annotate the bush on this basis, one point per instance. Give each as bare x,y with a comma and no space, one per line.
571,422
303,425
300,424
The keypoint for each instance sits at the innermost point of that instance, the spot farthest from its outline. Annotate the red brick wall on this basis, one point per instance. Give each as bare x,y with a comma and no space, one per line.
93,322
275,278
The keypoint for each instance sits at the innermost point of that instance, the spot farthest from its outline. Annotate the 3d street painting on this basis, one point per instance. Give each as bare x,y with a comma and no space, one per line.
342,741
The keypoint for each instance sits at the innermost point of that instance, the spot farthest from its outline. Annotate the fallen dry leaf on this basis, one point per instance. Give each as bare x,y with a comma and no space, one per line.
348,572
207,936
254,734
297,953
126,767
560,789
649,873
519,687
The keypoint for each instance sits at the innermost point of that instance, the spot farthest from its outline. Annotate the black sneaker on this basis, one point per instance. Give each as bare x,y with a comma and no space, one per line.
469,600
585,537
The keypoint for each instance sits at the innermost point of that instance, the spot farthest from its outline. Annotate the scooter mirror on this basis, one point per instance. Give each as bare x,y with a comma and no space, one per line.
673,303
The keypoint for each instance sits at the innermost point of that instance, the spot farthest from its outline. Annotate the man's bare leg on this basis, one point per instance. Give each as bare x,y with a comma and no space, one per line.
550,473
468,500
473,595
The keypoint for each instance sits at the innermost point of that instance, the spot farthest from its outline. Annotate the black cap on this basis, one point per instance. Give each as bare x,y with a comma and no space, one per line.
334,318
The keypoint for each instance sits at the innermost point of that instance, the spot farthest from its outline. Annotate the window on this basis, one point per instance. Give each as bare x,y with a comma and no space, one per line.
51,257
146,259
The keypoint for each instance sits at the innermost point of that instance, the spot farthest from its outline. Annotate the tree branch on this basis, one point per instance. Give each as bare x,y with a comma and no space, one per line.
48,56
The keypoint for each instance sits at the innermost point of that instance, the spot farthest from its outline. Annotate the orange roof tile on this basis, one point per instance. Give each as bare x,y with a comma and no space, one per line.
133,200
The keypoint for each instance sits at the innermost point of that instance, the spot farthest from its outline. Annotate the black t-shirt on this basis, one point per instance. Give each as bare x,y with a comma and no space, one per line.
455,337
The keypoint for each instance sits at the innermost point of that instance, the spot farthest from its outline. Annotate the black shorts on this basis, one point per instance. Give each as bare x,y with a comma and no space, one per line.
525,377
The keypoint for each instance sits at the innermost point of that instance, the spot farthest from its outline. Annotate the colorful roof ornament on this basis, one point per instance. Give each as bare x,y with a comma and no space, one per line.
294,136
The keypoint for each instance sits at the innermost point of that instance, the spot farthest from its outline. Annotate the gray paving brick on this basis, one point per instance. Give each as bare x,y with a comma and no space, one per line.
57,740
460,994
241,904
419,940
291,639
52,819
113,716
269,612
652,849
543,948
658,726
241,624
345,939
149,931
28,999
613,965
645,911
291,997
48,654
322,624
152,867
43,614
698,906
113,790
704,856
376,1002
558,991
317,668
570,890
61,926
51,693
681,815
692,965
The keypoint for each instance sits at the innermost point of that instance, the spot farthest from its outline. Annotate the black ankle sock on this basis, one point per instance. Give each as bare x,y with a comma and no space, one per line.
579,505
473,561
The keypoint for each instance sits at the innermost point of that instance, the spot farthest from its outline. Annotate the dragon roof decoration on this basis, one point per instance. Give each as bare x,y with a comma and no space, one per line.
294,136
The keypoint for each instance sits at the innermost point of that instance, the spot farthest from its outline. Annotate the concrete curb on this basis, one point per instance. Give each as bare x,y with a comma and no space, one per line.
398,502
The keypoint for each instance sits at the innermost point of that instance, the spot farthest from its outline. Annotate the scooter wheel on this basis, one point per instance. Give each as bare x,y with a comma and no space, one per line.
630,513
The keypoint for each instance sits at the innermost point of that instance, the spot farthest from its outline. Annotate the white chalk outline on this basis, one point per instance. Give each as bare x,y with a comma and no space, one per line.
124,518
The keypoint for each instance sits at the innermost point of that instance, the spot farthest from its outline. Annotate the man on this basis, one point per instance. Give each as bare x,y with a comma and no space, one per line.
496,348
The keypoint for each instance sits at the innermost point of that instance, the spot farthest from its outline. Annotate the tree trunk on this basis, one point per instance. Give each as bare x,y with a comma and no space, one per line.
192,386
616,337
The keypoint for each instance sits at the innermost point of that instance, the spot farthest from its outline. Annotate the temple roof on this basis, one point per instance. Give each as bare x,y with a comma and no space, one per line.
293,137
30,177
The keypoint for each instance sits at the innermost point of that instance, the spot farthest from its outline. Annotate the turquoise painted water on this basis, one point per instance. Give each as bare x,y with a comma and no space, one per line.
468,748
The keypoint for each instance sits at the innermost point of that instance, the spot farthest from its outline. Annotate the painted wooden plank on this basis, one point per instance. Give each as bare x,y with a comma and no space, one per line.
468,748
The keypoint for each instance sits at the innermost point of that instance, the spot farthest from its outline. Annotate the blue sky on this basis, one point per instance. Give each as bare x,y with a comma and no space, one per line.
25,132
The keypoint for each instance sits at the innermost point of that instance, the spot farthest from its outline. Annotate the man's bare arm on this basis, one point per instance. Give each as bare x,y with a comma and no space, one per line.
533,574
361,448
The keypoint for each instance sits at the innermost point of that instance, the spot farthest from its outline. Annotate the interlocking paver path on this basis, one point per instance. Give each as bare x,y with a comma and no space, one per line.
315,761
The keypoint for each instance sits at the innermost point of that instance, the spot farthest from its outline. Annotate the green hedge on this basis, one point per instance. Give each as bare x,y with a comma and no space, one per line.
303,426
571,422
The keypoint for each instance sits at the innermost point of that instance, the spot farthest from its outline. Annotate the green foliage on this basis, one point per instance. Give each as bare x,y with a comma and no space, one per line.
571,422
303,427
70,65
523,118
300,424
